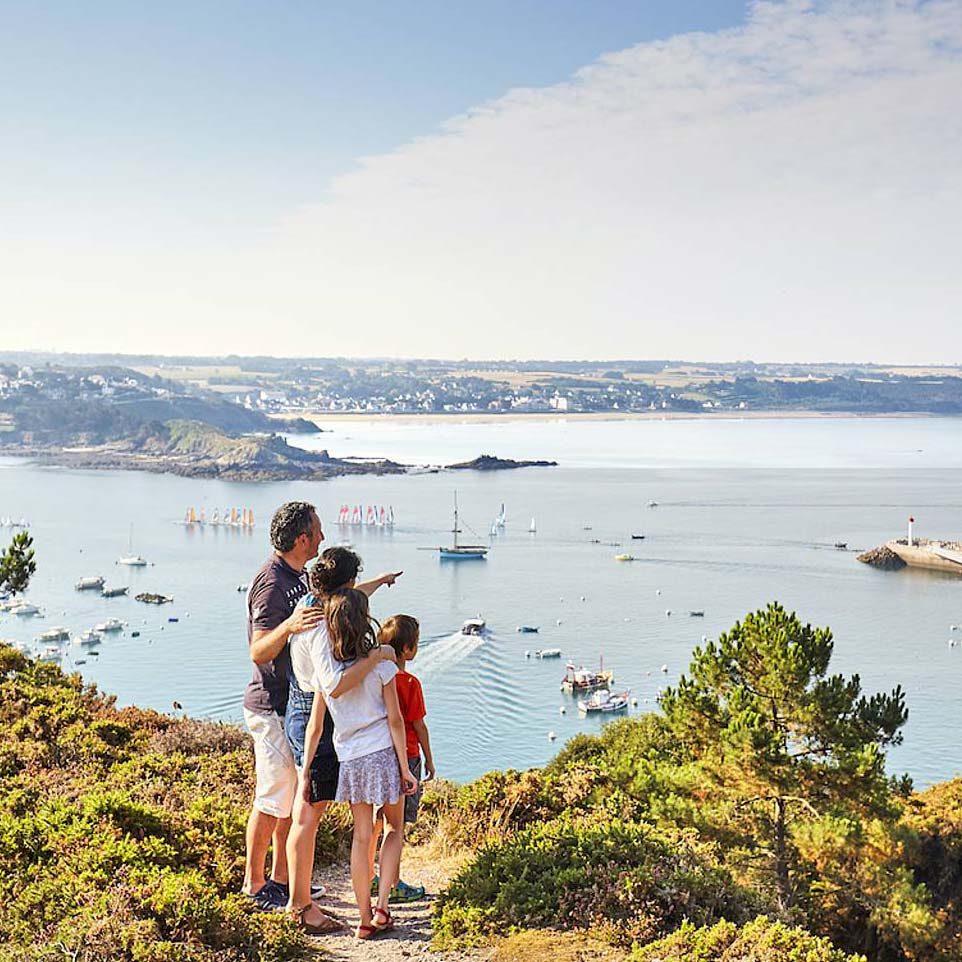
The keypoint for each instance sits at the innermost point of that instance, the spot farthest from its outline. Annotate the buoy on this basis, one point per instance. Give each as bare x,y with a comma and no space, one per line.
551,736
527,654
664,669
627,619
562,710
657,591
558,621
634,702
582,598
668,612
704,638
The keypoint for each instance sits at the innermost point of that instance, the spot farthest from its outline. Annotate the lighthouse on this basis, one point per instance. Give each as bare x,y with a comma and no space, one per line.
911,522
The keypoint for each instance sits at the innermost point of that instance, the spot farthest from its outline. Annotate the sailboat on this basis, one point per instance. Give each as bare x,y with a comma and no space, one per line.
501,517
532,528
130,559
466,552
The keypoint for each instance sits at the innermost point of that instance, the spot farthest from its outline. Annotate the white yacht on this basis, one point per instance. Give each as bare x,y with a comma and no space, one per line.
111,624
88,584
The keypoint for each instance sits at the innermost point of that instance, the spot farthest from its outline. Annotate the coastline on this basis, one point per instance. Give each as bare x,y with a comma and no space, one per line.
483,417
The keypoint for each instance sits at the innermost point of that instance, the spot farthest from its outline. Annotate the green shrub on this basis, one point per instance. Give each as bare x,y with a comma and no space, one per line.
622,878
761,940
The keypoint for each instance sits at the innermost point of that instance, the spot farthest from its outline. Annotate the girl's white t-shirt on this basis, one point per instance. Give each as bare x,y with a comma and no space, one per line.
302,649
359,715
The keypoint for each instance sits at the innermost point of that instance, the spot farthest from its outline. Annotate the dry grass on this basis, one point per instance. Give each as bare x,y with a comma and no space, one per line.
544,945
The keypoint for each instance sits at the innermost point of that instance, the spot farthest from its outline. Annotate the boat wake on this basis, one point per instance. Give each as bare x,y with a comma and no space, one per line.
447,652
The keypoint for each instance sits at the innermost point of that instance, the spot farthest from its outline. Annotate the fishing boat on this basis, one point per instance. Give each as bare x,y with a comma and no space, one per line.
548,653
604,701
527,629
54,634
88,638
473,626
111,624
466,552
582,679
88,584
116,592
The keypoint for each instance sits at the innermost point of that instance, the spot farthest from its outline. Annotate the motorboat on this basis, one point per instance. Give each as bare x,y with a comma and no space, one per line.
841,545
473,626
624,557
652,504
582,679
23,609
51,653
604,701
54,634
527,629
637,537
696,614
548,653
88,638
461,552
116,592
111,624
89,584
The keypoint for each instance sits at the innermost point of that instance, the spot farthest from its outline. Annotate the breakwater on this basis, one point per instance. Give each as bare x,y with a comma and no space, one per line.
917,553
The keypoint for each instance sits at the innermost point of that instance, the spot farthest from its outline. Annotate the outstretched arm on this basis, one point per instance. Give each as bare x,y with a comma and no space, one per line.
369,587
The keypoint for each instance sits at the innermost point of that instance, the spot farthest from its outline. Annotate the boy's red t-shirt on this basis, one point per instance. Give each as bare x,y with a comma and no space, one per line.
411,699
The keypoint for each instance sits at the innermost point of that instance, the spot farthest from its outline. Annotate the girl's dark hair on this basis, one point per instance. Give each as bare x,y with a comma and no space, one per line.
400,632
333,570
350,627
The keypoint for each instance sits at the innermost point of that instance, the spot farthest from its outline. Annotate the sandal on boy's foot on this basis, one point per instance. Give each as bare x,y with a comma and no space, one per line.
365,932
327,924
402,892
317,891
388,920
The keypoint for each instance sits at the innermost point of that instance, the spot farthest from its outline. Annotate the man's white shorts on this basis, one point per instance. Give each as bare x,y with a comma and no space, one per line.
273,764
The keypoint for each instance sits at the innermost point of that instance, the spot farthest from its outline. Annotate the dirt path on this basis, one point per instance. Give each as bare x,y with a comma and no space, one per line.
411,939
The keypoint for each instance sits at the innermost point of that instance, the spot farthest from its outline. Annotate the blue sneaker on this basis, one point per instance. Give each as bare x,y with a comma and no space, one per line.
270,897
317,891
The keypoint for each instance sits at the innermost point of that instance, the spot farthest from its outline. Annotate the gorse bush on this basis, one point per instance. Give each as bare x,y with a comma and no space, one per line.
121,832
621,877
761,940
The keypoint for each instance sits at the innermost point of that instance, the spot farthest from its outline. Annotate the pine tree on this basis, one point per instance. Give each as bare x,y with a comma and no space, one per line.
17,565
778,737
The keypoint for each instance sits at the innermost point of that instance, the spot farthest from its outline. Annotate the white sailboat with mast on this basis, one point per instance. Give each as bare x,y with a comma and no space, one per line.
466,552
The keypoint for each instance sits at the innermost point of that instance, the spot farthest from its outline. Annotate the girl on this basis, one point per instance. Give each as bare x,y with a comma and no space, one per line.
370,744
335,569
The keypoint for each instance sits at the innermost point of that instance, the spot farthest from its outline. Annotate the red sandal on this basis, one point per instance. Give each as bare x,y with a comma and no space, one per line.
388,922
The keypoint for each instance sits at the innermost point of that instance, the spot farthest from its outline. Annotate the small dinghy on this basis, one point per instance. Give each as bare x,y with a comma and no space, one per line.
527,629
548,653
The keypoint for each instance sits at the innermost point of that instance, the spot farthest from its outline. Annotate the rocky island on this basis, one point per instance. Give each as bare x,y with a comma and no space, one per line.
487,462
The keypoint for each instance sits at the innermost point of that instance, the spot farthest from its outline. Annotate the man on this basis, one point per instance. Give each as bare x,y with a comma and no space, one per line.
272,616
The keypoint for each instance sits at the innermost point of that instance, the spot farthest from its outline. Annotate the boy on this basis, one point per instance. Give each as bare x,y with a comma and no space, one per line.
402,633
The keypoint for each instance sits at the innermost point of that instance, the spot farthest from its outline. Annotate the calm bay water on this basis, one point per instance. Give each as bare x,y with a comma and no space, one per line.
747,513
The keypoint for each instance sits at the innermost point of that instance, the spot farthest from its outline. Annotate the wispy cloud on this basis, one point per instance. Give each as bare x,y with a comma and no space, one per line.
790,188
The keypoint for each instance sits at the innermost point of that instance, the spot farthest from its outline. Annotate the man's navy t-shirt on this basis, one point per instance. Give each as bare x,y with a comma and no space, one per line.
272,596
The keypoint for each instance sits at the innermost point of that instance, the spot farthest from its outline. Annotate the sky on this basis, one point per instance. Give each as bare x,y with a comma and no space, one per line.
697,179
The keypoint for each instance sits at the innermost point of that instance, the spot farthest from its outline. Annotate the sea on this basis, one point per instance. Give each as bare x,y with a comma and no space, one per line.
735,513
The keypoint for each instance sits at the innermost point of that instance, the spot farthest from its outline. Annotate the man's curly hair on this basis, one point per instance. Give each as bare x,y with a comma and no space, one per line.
290,521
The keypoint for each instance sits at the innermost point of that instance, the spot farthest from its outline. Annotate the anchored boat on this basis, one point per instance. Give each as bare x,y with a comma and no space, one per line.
465,552
604,701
